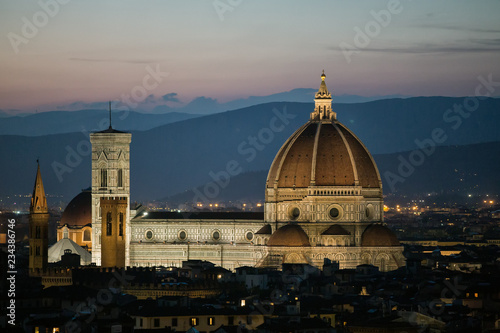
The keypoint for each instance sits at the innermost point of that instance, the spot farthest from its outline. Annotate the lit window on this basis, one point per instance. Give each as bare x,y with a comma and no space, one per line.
194,321
211,321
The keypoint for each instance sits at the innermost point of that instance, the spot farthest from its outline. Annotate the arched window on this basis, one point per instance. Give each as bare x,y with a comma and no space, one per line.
382,267
109,226
104,178
86,235
120,178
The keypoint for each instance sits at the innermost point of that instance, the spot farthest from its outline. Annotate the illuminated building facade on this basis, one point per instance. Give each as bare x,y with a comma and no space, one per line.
323,200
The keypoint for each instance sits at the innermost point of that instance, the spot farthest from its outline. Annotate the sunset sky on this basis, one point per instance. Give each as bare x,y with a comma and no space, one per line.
92,51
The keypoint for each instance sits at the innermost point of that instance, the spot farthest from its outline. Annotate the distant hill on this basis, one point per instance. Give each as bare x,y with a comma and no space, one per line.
449,171
179,156
57,122
302,95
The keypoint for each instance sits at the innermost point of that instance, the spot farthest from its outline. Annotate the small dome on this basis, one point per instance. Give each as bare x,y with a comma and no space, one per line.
289,235
78,212
378,235
335,230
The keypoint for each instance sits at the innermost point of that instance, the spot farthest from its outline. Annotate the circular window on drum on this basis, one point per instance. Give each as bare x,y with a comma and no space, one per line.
294,213
249,236
370,212
335,212
216,235
182,235
149,235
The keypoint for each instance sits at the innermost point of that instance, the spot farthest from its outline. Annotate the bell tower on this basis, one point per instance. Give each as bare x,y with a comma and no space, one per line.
111,183
38,227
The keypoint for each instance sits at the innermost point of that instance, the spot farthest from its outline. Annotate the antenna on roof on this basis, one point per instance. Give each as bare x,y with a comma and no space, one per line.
110,115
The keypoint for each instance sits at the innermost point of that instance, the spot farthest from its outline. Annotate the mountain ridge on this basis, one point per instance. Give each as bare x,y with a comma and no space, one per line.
171,158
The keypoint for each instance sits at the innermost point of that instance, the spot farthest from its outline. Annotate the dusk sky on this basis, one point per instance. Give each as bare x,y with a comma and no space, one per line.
93,51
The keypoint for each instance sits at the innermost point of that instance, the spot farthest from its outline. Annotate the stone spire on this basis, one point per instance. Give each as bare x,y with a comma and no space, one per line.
38,228
38,199
323,103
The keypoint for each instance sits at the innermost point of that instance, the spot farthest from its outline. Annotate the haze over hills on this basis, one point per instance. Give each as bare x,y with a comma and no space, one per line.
200,105
179,156
96,117
56,122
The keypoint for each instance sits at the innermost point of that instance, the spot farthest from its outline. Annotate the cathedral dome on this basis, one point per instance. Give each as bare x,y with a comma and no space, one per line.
289,235
378,235
78,212
323,152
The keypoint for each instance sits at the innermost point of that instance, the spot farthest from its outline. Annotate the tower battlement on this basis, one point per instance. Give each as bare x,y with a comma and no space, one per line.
114,201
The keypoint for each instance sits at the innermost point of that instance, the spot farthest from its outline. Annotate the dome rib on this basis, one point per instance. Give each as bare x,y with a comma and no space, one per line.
367,170
349,151
296,168
315,155
334,166
276,168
